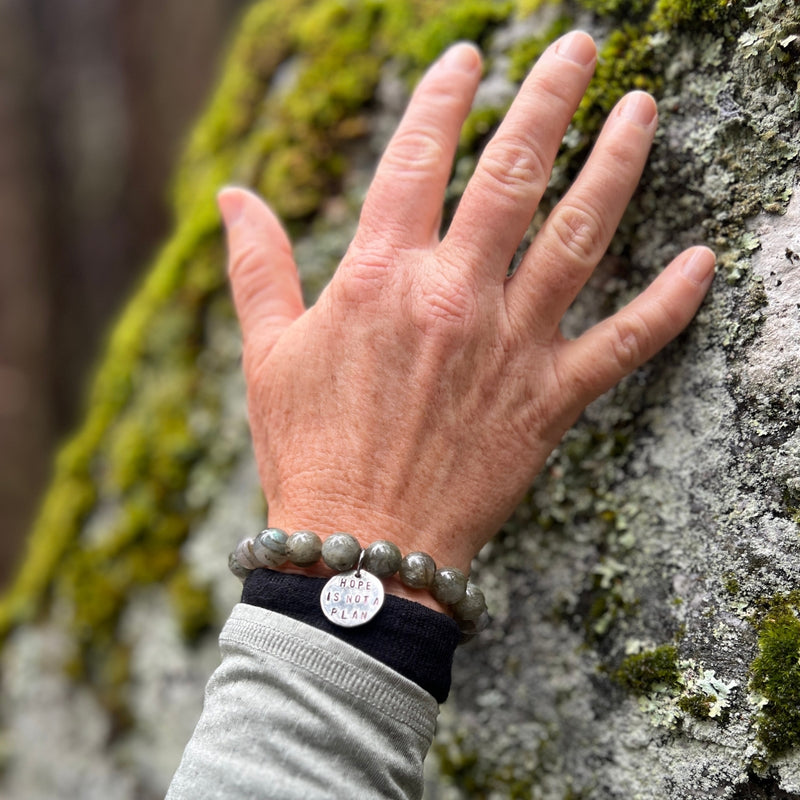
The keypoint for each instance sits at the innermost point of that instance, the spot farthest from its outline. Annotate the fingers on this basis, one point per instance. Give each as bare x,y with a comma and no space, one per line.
404,202
578,231
606,353
263,275
514,169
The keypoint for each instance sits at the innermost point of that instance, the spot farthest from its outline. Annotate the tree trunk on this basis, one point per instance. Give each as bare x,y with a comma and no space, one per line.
645,596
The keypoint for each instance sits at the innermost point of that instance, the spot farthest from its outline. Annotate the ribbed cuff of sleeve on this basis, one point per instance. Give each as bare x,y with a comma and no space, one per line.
412,639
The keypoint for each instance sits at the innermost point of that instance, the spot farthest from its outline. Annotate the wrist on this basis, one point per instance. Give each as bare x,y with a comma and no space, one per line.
359,577
409,531
391,585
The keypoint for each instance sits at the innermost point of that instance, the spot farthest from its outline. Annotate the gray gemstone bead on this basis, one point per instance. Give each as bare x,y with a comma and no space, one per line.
340,551
237,569
244,554
269,547
382,558
304,548
472,627
417,570
471,606
449,585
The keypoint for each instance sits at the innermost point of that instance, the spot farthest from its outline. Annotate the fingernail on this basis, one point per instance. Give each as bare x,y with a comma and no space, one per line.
230,203
577,47
699,266
461,56
640,108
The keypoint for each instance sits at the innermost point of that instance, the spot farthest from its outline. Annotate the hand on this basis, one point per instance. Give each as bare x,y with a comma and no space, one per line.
421,394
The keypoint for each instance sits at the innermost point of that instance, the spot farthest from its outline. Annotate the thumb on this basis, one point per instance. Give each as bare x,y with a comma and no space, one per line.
263,275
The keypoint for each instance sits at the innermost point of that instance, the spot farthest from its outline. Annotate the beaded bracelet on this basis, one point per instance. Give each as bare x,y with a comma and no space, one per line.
356,594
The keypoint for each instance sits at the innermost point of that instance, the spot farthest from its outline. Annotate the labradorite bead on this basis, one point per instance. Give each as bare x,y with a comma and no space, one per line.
303,548
449,585
237,569
417,570
340,551
471,606
244,554
382,558
471,627
269,547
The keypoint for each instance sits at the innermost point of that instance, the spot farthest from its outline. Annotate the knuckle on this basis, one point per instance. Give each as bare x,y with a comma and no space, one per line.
448,307
444,306
558,94
246,260
415,150
630,338
362,277
579,232
440,96
515,166
623,155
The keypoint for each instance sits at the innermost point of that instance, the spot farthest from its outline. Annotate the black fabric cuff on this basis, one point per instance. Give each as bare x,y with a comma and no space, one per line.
410,638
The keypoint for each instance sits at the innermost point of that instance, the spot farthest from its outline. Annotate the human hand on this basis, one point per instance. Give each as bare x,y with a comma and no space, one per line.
421,394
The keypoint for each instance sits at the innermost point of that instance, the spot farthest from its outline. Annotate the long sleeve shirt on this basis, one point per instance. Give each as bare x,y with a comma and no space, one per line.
295,713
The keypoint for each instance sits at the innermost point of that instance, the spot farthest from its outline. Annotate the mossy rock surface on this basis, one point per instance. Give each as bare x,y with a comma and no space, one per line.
645,621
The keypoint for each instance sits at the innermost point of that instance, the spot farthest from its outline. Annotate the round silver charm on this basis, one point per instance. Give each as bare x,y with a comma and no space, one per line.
352,598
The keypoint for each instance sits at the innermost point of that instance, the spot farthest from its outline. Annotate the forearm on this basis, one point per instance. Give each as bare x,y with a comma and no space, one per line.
293,712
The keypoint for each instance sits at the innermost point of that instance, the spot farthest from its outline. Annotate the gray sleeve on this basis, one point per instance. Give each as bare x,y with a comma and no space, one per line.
295,713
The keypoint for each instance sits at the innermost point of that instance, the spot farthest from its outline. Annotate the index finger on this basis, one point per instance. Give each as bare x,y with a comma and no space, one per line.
515,167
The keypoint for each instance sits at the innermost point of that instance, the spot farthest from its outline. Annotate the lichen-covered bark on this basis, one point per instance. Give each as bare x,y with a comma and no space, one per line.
645,596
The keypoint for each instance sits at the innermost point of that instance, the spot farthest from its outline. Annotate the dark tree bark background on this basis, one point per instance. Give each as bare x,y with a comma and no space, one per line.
95,100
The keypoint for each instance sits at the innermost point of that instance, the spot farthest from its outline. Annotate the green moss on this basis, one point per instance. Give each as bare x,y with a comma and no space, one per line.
642,673
618,8
731,584
478,127
525,52
791,499
697,705
471,20
625,62
138,446
664,13
192,603
775,675
674,13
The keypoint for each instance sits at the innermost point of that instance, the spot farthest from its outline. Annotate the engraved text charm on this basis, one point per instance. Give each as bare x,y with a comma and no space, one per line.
352,598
